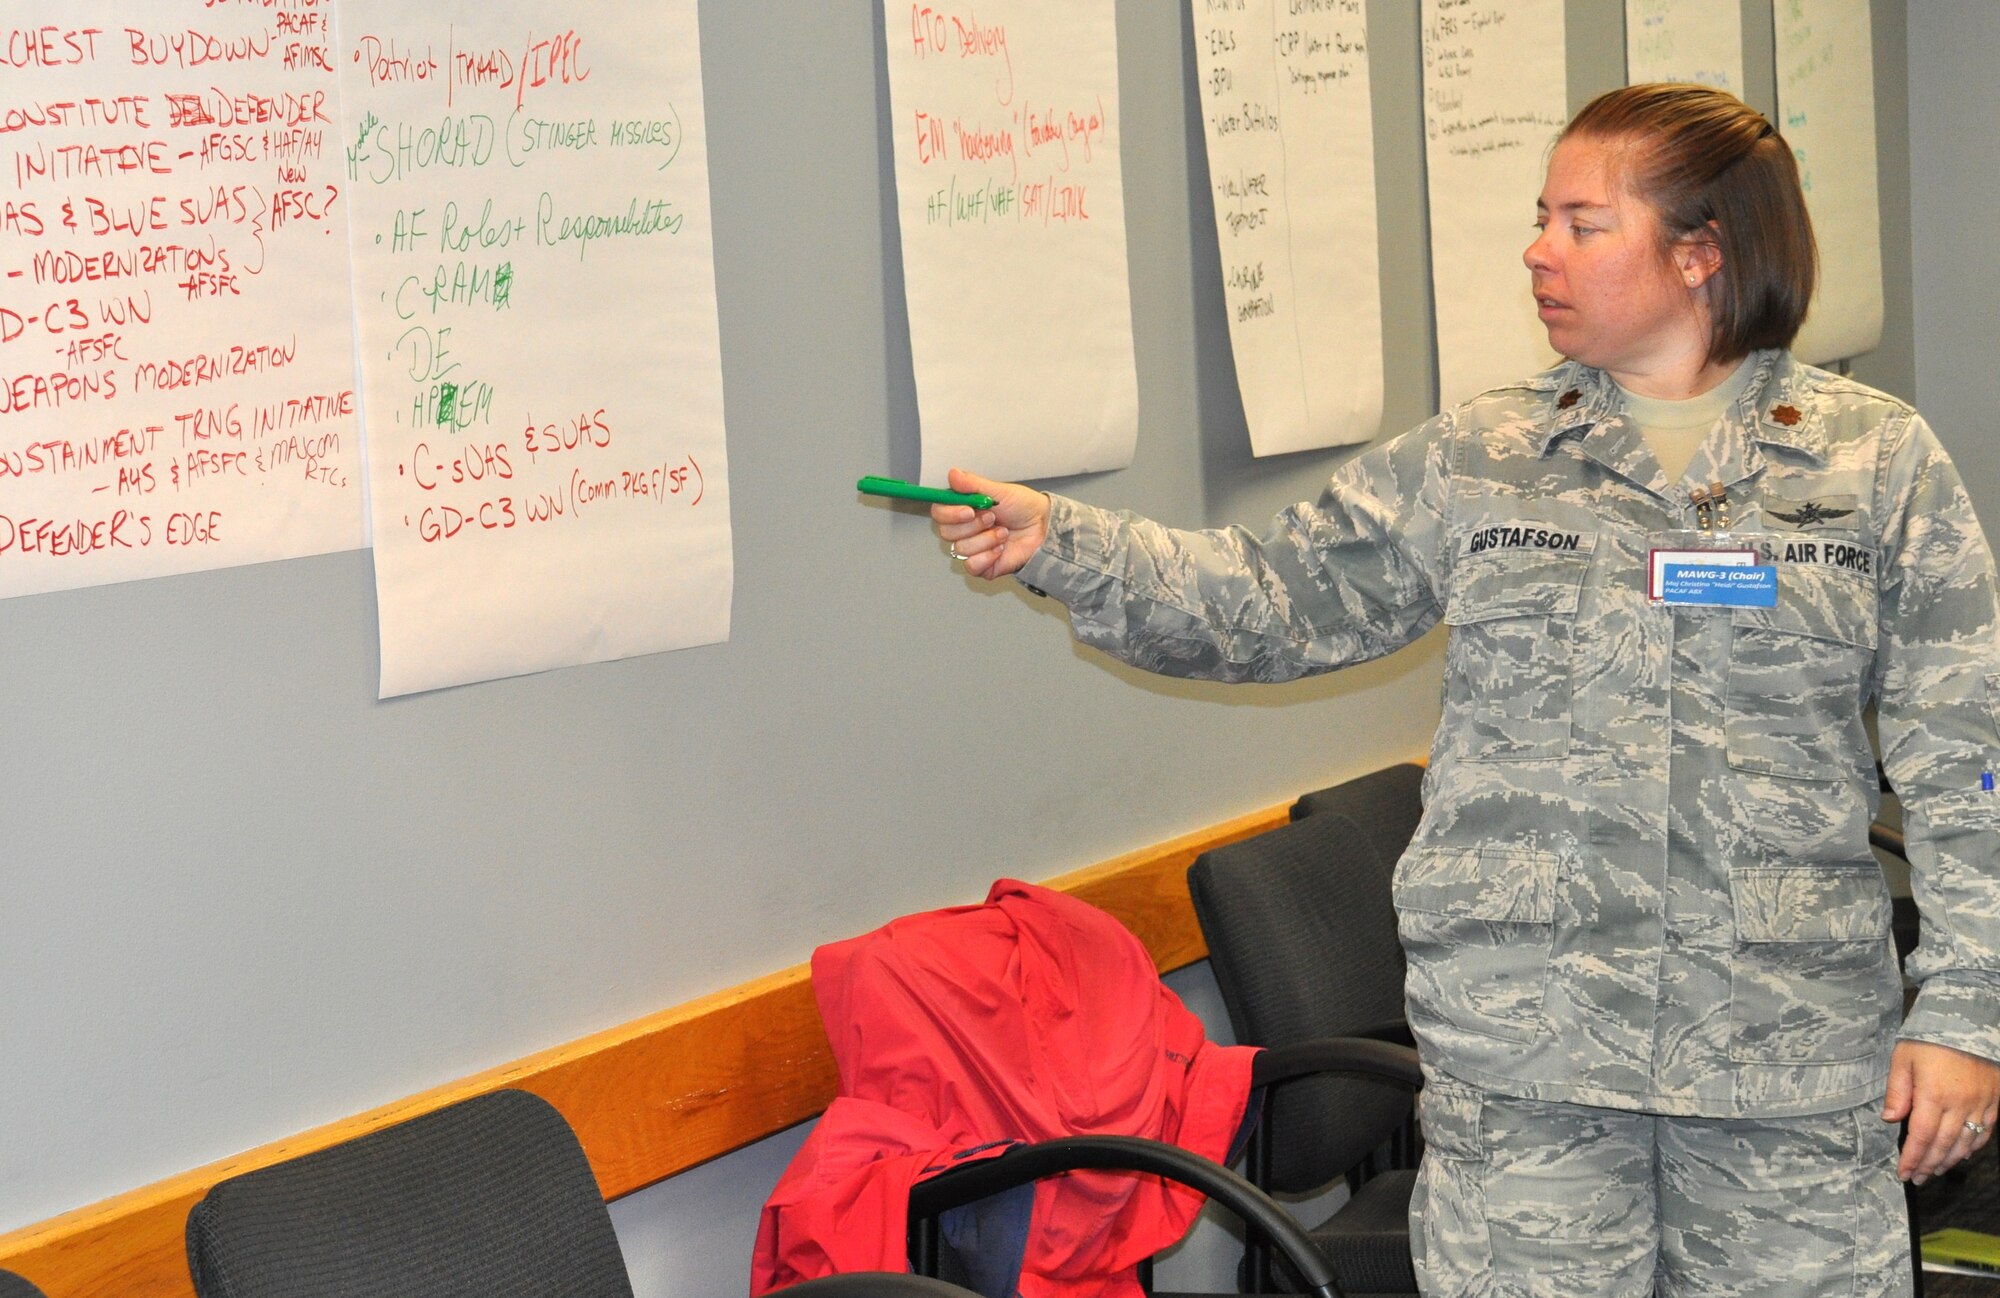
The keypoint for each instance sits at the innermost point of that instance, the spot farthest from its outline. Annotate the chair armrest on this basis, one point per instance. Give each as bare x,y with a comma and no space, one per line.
1025,1163
1374,1060
1382,1060
1889,840
1396,1030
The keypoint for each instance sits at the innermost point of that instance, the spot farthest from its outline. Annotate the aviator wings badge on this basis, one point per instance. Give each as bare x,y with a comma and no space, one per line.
1811,513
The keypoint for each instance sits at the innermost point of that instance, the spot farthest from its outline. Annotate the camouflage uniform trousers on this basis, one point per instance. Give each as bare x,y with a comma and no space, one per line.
1528,1199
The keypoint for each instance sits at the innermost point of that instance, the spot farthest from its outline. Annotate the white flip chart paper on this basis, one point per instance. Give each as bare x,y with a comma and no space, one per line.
1698,41
1004,121
1826,107
1291,166
536,295
1494,99
176,358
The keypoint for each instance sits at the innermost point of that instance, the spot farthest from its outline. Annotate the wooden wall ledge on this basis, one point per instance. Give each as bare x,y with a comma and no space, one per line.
648,1098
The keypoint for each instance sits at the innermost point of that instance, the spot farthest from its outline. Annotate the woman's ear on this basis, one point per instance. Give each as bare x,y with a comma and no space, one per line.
1698,256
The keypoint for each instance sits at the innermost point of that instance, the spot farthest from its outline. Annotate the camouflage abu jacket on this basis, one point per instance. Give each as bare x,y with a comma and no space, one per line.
1642,878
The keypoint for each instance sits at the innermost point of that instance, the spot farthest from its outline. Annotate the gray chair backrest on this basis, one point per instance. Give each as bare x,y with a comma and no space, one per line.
488,1198
14,1286
1301,934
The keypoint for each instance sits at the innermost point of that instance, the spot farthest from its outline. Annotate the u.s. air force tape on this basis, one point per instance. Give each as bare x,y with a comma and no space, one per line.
1825,553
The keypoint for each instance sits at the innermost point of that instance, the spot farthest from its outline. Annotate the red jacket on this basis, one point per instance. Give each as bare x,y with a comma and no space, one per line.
1032,1016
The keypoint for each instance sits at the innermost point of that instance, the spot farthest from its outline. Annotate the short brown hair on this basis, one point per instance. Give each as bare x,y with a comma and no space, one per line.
1714,170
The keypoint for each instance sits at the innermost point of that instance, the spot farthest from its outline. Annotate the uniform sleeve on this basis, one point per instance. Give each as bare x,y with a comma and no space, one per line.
1338,582
1938,683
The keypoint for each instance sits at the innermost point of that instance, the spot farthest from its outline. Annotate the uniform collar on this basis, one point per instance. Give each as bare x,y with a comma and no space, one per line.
1584,405
1780,407
1788,407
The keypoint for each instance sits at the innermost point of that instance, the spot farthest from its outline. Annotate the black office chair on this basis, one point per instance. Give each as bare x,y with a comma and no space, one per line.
1301,934
14,1286
921,1029
1385,804
1886,835
1264,1219
491,1197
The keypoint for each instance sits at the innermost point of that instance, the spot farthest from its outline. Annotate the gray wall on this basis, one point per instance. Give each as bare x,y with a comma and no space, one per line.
1954,170
239,897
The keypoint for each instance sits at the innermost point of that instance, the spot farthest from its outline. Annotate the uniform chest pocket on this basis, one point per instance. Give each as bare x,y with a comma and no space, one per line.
1796,676
1508,660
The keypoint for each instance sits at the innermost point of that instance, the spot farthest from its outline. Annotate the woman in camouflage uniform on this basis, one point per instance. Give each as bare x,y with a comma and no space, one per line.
1650,968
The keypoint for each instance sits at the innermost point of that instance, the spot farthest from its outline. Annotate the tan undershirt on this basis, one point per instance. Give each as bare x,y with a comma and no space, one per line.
1675,429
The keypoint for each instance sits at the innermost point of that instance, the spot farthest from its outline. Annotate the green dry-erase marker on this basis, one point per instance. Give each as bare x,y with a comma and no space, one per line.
873,486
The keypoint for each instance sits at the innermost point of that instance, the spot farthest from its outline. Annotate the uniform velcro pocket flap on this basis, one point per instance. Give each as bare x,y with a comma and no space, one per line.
1810,904
1505,884
1823,603
1517,583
